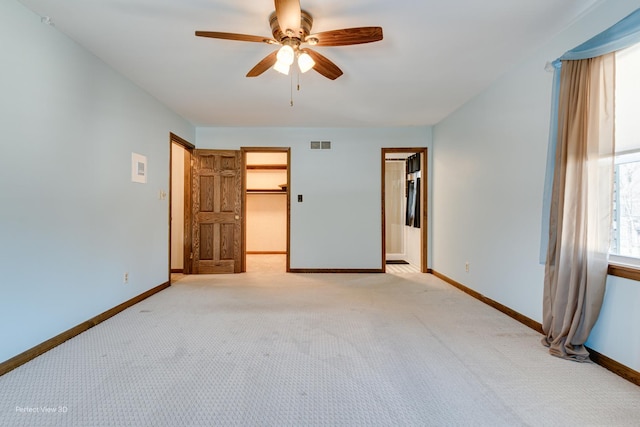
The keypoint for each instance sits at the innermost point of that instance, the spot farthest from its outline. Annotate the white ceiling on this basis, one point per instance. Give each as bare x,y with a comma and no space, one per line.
435,55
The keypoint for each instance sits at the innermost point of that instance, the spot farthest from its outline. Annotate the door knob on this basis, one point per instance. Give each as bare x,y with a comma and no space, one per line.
237,217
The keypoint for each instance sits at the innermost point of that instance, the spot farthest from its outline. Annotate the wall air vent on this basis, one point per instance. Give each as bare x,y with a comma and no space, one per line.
320,145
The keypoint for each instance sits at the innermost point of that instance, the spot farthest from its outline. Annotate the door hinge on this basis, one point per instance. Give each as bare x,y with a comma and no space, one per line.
191,255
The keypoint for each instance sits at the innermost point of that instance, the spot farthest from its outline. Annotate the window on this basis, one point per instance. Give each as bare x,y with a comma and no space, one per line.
625,242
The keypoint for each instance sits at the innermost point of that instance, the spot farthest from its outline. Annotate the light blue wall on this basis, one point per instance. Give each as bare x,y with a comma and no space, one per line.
71,220
339,224
488,177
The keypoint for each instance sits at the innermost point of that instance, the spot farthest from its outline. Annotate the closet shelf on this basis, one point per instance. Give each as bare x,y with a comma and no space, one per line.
266,191
266,167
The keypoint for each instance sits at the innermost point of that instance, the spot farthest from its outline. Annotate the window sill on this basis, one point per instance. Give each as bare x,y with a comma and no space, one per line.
626,271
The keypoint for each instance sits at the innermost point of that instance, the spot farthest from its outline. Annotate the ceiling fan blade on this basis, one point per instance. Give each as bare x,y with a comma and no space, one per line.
346,36
289,15
263,65
324,66
234,36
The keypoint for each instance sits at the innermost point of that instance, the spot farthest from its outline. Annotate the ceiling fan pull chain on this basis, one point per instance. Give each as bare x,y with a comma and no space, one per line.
291,88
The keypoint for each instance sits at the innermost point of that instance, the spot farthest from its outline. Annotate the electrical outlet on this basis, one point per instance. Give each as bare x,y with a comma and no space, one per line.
466,266
125,279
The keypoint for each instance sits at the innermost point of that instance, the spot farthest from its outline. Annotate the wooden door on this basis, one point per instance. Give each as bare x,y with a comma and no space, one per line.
216,211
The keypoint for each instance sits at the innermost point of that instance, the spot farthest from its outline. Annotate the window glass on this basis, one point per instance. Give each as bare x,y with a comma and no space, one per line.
626,205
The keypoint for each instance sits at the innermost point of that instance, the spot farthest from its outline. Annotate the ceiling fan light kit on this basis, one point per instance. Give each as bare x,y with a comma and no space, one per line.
305,62
291,28
285,55
284,59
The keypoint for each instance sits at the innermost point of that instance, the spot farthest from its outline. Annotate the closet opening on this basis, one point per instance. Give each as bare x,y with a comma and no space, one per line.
404,201
266,183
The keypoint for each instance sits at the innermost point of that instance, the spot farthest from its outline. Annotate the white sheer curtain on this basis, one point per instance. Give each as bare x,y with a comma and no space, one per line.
580,220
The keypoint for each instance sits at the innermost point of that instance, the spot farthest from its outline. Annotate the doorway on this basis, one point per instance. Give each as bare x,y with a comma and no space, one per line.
266,184
404,209
265,208
180,152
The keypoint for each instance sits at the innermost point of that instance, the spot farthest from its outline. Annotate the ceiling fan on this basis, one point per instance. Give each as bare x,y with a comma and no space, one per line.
291,29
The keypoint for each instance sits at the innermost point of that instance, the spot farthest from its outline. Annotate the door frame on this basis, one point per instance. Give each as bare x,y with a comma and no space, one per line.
244,151
423,151
188,148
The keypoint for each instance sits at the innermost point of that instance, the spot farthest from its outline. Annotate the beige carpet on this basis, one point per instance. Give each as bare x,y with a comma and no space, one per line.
277,349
